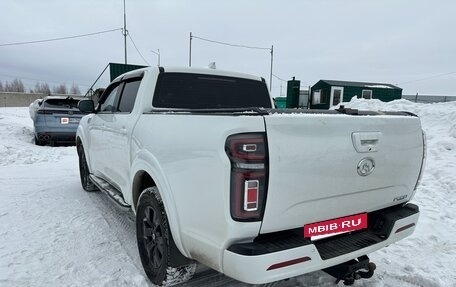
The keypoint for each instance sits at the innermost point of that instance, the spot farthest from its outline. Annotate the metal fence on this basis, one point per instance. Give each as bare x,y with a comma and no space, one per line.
22,99
429,98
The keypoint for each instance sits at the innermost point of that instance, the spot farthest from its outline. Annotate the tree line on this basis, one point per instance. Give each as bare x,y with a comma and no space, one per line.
16,86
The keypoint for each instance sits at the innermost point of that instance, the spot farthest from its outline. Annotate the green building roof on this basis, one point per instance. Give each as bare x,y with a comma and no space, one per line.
360,84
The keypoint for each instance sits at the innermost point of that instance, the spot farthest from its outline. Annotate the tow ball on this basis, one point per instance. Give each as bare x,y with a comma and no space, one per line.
352,270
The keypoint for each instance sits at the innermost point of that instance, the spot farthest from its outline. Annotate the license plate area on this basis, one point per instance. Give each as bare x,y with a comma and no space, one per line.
74,120
67,120
332,227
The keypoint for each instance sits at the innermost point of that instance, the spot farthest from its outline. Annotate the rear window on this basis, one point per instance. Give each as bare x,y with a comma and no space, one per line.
198,91
61,104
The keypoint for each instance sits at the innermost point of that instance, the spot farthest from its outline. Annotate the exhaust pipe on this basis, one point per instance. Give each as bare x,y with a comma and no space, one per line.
44,137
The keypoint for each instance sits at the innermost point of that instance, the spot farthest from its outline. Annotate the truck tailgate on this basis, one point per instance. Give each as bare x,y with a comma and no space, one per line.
314,158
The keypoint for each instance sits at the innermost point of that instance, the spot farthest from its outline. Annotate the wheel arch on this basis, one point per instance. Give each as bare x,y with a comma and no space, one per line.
141,181
146,172
80,143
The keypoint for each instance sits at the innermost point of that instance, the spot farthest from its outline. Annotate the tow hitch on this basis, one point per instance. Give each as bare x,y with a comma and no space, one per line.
352,270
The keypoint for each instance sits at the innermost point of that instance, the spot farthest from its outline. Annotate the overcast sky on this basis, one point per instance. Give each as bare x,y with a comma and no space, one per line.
390,41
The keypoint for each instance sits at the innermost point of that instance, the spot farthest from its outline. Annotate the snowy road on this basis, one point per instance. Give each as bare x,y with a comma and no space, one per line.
52,233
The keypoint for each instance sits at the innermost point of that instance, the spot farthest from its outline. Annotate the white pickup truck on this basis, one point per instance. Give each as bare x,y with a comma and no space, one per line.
216,175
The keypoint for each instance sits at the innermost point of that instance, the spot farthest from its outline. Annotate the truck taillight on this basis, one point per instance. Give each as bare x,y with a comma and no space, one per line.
249,171
423,161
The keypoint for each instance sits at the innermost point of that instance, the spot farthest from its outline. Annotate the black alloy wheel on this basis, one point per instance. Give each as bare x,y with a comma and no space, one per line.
155,242
152,235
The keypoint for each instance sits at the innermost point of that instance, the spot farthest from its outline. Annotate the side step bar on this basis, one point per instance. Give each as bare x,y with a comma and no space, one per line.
110,190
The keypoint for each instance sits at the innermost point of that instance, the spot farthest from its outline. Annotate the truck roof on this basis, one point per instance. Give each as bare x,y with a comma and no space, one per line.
205,71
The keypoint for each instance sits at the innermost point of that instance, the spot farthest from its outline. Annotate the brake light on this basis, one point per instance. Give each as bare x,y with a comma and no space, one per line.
249,171
44,112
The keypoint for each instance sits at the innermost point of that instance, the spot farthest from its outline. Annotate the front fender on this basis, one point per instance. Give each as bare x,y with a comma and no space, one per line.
147,162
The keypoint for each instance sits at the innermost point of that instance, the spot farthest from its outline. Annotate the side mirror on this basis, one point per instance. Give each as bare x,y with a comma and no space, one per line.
86,106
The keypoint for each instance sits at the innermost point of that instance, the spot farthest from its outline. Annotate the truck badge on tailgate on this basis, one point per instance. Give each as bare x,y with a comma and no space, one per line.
366,166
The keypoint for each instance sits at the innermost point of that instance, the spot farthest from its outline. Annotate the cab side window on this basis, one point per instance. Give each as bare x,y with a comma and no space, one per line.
109,103
129,93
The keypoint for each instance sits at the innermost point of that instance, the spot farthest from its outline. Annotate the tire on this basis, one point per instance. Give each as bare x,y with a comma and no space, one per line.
154,241
38,142
84,173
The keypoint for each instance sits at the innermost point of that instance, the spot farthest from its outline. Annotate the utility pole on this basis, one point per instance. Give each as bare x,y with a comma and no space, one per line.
125,33
270,76
190,53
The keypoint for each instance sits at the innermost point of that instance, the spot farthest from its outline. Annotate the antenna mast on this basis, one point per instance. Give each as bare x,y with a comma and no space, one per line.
125,33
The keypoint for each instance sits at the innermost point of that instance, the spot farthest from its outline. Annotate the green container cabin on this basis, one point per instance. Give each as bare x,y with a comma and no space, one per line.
329,93
280,102
117,69
293,93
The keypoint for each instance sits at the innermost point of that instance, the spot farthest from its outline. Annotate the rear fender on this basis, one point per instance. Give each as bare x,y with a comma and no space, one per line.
145,161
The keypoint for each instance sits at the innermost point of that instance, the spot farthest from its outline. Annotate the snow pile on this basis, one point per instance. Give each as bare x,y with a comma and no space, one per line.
52,233
379,86
428,257
17,138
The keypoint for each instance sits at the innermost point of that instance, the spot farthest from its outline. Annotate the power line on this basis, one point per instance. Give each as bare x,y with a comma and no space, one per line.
271,50
59,39
232,45
427,78
279,78
137,50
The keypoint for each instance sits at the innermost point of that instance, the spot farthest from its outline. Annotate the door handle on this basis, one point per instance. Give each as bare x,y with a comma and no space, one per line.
366,141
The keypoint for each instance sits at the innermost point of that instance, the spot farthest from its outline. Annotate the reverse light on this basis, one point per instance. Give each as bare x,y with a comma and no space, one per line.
249,170
251,191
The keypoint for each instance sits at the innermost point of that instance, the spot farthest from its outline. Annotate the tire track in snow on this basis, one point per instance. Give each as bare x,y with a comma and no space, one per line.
122,225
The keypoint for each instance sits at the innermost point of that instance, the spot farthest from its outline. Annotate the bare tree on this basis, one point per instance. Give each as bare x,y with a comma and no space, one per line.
16,86
42,88
74,90
60,89
1,86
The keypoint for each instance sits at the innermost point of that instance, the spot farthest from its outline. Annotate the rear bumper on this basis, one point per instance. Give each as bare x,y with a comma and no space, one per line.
283,255
57,137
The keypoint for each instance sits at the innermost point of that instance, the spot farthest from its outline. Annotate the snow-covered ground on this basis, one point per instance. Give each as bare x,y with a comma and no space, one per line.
52,233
